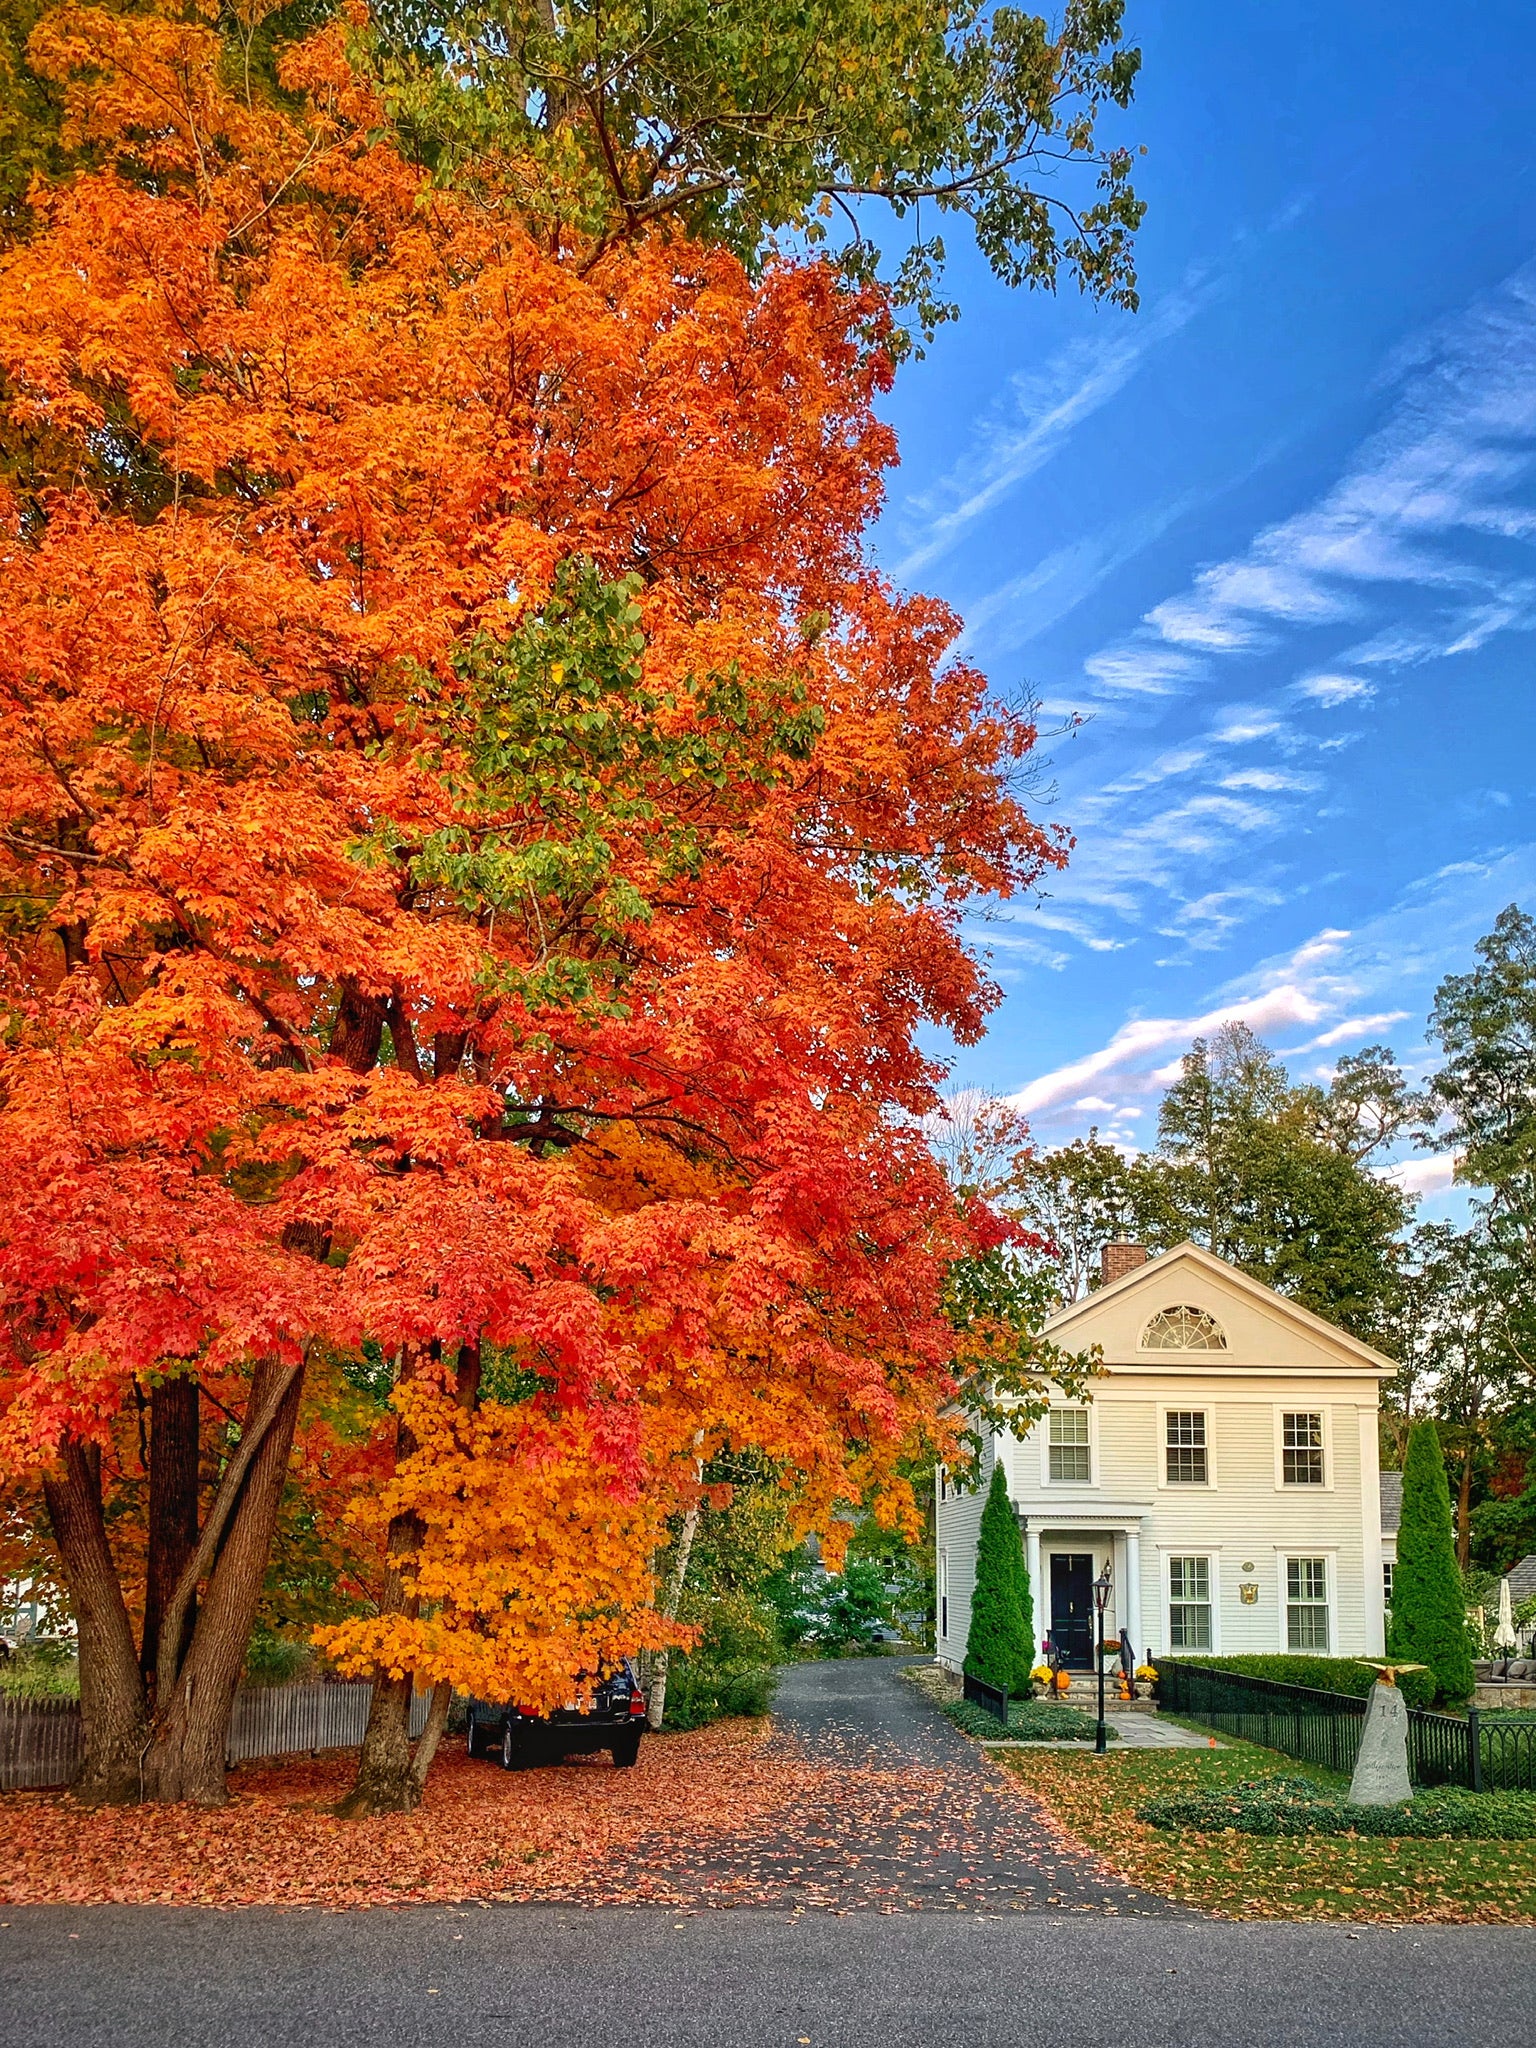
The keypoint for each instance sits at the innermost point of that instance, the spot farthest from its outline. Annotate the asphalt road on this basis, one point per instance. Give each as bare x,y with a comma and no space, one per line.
556,1977
828,1965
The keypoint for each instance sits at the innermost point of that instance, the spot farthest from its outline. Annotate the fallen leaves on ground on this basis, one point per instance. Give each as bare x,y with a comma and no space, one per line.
735,1815
1317,1877
481,1833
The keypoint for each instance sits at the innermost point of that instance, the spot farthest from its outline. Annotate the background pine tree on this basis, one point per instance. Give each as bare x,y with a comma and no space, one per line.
999,1648
1429,1618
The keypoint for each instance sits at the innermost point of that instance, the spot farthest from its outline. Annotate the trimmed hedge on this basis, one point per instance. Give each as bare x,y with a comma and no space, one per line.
1028,1721
1347,1675
1298,1806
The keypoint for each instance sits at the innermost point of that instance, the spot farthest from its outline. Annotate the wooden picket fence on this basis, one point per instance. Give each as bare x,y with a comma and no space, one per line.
40,1743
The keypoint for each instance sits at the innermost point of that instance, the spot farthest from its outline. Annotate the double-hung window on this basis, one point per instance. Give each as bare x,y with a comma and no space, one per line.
1070,1456
1189,1603
1386,1580
1301,1448
1306,1604
1187,1461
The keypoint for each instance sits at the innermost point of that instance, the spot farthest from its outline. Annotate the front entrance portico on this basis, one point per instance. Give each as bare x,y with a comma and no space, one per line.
1065,1550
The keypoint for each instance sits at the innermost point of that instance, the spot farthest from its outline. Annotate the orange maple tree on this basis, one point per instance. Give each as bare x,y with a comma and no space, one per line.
481,843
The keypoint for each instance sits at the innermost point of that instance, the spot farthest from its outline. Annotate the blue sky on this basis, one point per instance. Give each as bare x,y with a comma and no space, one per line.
1275,535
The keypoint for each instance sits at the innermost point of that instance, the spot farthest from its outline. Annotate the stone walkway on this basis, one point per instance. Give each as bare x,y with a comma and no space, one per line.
1150,1731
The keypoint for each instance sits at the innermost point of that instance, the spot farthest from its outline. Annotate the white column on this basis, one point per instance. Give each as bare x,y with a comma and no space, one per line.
1133,1591
1037,1592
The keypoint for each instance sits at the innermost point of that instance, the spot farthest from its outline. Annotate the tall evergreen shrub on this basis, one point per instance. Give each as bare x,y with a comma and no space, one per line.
1429,1617
999,1648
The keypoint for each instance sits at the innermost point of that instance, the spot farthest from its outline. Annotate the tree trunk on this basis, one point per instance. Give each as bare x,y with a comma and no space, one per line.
389,1778
1464,1508
173,1475
430,1736
187,1756
656,1699
113,1708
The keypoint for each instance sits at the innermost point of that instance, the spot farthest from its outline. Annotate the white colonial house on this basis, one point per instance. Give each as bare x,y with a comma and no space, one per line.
1224,1468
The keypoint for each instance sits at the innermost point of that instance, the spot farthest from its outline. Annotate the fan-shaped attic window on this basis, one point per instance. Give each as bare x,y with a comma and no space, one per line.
1183,1329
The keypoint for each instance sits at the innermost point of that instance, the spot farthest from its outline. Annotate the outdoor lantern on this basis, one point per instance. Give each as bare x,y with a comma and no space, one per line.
1101,1586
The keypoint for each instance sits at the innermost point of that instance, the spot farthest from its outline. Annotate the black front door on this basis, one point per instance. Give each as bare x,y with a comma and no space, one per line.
1072,1611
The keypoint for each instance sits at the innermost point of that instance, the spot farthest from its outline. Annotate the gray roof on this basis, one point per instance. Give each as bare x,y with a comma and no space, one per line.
1522,1579
1391,1502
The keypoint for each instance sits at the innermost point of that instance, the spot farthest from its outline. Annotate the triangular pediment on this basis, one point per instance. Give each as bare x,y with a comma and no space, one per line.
1189,1289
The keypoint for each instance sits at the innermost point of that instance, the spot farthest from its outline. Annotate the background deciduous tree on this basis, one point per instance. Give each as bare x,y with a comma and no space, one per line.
749,122
1275,1177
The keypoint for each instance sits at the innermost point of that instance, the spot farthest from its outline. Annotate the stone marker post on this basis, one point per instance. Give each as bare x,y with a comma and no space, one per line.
1381,1767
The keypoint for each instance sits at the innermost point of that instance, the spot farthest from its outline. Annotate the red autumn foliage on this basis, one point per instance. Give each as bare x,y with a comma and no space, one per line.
482,844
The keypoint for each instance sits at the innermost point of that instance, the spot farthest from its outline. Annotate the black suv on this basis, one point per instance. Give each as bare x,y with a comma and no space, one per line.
520,1739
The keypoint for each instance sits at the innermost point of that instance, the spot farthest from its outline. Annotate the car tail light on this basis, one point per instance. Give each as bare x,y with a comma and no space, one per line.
636,1703
528,1713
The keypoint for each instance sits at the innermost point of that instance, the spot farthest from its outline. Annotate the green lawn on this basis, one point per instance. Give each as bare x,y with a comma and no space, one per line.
1318,1877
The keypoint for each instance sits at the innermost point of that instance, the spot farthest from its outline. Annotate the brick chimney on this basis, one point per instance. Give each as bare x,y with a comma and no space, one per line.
1118,1259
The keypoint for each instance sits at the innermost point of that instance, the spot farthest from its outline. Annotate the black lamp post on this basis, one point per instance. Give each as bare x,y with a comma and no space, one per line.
1101,1587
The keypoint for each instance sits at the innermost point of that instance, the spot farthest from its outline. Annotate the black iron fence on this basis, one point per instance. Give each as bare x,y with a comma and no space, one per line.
1320,1728
992,1697
1482,1752
40,1739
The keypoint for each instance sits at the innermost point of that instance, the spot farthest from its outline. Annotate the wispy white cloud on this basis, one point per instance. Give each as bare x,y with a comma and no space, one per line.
1141,671
1408,522
1352,1028
1133,1042
1324,985
1459,438
1332,690
1272,780
1045,408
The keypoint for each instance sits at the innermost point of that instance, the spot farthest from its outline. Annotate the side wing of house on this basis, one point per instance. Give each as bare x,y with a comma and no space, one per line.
1224,1470
957,1518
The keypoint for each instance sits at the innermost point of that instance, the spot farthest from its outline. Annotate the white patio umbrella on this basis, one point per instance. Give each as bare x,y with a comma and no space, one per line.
1504,1637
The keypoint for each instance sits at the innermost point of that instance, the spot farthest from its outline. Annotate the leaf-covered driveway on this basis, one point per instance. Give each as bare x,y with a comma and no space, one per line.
907,1814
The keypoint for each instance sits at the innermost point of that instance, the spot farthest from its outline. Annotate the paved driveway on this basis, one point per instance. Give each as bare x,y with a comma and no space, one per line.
914,1817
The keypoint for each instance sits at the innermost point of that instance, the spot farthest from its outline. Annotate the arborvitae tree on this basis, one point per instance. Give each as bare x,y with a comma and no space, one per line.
1429,1620
1001,1640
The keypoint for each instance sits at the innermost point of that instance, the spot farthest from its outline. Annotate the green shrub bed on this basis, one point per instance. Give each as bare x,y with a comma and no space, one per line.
1346,1675
1028,1721
1299,1806
699,1692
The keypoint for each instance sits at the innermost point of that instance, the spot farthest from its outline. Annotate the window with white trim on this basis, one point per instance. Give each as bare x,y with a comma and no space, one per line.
943,1590
1071,1460
1306,1604
1189,1603
1386,1580
1184,1438
1301,1448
